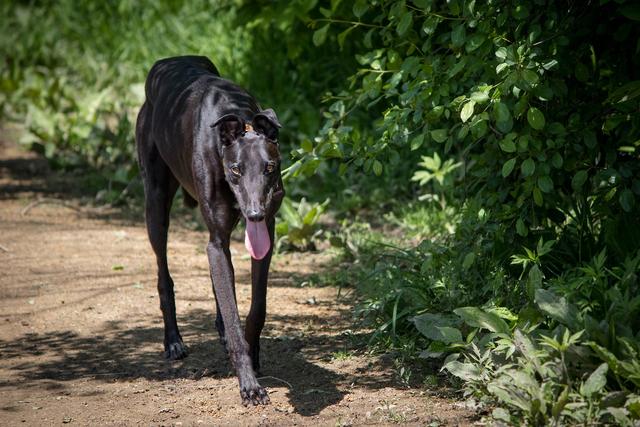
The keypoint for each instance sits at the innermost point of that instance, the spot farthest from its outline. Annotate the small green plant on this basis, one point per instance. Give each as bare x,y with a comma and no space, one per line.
299,225
341,355
440,174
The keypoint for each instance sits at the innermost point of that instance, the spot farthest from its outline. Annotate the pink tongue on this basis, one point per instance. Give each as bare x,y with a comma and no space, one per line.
256,239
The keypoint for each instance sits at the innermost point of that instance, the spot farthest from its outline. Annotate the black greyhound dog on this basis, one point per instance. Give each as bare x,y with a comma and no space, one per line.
207,135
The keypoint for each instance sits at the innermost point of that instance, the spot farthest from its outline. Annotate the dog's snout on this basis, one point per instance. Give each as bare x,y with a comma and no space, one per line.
255,215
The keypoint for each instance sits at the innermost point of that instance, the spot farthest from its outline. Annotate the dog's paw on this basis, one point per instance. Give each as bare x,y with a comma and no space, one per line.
254,396
175,351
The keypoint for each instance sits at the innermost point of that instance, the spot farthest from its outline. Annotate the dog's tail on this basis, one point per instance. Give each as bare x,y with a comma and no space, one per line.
189,201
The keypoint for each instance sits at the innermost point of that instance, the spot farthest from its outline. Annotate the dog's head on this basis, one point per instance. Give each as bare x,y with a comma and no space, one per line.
251,161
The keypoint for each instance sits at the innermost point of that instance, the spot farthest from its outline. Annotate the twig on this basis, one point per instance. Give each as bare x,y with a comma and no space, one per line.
278,379
354,23
4,248
38,202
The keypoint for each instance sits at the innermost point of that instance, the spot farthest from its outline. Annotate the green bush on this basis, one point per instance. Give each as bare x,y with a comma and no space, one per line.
535,101
538,105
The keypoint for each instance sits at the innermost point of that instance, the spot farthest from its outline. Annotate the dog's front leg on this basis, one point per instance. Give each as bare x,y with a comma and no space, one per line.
258,311
223,279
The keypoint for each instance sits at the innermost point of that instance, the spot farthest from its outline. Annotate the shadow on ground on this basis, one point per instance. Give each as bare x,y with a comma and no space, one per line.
48,360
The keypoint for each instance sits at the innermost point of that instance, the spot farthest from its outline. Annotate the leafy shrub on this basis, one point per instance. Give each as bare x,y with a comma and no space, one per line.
534,100
298,226
552,362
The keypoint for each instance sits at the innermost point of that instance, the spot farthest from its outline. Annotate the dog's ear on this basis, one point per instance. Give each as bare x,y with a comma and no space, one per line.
266,122
230,127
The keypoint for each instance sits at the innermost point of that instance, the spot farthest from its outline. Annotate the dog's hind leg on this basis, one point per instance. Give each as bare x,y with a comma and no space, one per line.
160,187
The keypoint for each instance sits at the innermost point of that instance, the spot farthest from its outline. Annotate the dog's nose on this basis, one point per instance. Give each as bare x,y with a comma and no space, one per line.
255,215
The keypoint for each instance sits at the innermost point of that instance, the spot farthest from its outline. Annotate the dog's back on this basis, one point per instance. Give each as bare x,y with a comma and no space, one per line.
181,71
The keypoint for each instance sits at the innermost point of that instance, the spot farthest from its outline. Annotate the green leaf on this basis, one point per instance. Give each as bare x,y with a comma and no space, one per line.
463,132
468,260
417,141
606,356
405,23
528,167
501,53
633,402
596,381
627,200
479,97
453,71
508,166
501,414
507,145
464,371
545,183
501,67
474,42
508,397
343,36
306,145
437,327
590,139
319,36
560,403
578,180
439,135
535,118
467,111
430,24
530,77
503,313
534,281
458,35
501,112
537,196
521,228
506,126
520,12
479,318
502,115
630,10
377,167
558,309
360,8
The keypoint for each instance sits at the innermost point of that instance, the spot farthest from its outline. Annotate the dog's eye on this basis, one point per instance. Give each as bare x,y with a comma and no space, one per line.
271,166
235,170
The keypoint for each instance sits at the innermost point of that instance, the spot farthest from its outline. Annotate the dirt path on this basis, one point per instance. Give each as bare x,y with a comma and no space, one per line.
81,330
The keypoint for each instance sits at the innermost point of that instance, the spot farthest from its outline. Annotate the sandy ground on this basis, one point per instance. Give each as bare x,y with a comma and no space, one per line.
81,330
